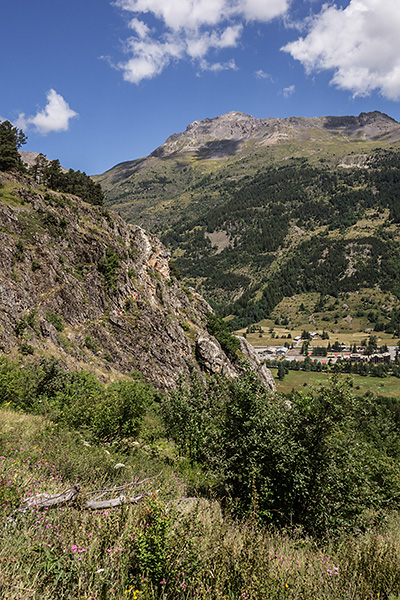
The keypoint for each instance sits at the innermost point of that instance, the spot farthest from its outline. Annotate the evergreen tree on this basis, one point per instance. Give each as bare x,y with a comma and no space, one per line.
11,138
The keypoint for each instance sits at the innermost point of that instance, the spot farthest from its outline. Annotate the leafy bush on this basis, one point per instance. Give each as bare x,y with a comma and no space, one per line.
108,266
314,460
76,399
55,320
219,329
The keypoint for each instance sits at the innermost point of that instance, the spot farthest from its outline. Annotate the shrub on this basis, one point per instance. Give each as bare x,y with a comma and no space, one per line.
55,320
219,329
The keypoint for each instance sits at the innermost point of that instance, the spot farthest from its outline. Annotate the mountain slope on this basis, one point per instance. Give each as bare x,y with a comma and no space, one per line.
154,191
79,283
255,210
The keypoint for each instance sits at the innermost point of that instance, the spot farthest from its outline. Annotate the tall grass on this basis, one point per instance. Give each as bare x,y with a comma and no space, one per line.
168,547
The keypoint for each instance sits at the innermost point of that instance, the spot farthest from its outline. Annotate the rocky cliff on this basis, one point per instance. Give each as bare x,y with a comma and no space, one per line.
79,283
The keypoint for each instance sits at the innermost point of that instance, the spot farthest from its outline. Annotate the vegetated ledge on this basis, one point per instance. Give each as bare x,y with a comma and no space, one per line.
79,283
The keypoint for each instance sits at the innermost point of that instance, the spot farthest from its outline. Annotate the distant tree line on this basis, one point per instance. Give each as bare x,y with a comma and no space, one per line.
51,174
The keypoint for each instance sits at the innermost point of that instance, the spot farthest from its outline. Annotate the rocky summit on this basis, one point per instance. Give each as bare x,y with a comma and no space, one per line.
154,191
226,134
78,283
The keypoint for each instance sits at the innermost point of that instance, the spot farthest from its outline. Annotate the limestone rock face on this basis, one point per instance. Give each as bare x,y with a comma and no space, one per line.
213,358
79,283
262,371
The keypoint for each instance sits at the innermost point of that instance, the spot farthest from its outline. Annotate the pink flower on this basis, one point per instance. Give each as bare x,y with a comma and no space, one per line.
74,548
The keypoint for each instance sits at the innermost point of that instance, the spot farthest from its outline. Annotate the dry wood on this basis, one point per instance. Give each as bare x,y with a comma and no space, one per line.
46,500
93,505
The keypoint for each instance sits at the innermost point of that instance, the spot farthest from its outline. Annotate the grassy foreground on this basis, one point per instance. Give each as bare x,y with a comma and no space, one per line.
168,547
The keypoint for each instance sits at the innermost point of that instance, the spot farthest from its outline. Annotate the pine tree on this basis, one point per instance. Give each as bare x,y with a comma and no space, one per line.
11,139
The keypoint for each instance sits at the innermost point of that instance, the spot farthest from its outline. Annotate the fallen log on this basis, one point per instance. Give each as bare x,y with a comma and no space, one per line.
45,500
122,499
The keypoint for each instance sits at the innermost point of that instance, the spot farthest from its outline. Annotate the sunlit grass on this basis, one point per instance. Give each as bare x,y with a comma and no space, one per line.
167,547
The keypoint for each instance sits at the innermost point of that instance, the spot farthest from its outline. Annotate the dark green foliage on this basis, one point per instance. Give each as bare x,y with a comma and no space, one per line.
19,251
35,265
26,349
72,182
257,214
318,462
11,138
108,267
77,399
220,330
91,344
55,320
174,271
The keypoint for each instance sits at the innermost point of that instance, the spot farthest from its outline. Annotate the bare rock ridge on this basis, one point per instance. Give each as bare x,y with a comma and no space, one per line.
79,283
239,127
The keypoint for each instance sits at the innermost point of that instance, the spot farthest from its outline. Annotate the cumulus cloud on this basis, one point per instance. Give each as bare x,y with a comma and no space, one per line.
188,29
359,43
54,117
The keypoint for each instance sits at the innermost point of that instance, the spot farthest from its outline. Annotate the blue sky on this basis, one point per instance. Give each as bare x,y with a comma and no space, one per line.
94,82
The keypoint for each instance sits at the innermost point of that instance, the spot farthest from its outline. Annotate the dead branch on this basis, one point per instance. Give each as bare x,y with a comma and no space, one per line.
46,500
126,485
93,505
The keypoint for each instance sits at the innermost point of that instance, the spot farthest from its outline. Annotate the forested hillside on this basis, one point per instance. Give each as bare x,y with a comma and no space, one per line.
299,205
293,229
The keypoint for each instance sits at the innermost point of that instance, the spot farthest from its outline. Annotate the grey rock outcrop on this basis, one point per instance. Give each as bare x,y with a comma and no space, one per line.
259,367
212,357
79,283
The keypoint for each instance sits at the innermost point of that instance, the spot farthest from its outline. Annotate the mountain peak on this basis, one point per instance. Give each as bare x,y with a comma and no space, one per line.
222,136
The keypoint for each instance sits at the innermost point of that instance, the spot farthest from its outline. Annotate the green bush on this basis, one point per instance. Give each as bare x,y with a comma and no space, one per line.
108,266
314,461
219,329
77,399
55,320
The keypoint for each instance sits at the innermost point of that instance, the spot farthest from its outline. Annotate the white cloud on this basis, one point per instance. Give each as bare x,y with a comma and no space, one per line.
217,67
359,43
198,45
263,10
260,74
139,27
149,57
188,29
288,91
54,117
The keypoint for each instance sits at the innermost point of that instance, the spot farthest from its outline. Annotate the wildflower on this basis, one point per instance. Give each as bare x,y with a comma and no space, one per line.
163,582
74,548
